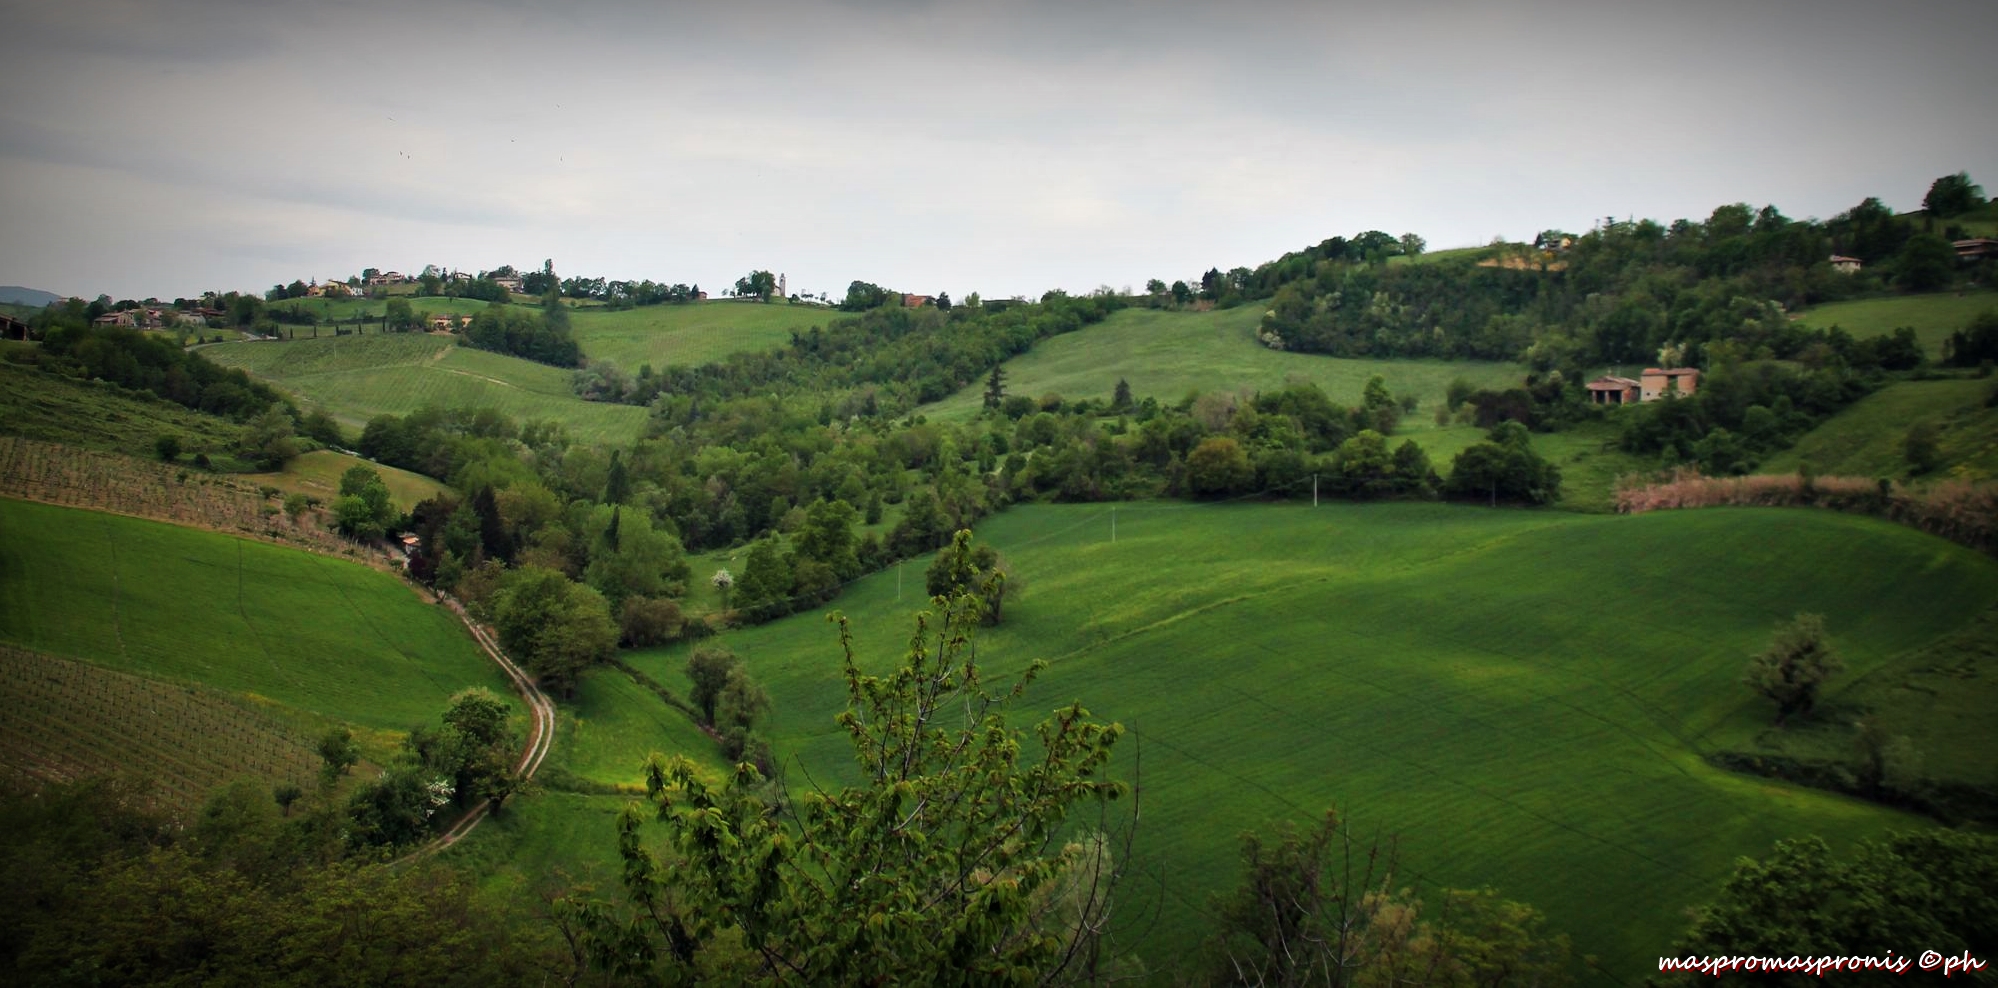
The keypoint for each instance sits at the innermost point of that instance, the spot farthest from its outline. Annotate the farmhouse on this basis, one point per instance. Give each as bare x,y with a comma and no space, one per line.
1612,390
124,319
510,284
1845,265
388,278
1672,383
915,301
1976,248
12,328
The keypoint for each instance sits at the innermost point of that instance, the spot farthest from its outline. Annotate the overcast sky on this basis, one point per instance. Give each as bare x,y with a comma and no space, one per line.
164,147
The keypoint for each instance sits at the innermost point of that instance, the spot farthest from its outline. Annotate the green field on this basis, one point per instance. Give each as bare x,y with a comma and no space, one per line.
320,636
318,474
1524,697
1933,317
1866,439
42,406
355,378
1166,355
689,335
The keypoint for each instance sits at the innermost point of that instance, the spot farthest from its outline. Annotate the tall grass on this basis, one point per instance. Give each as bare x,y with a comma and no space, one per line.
1959,510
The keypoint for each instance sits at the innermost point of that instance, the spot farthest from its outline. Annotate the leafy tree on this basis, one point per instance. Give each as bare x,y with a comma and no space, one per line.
1412,245
1155,286
708,668
945,865
1937,888
1927,263
741,703
1314,909
1504,467
1952,195
365,508
1921,448
167,447
485,747
1363,467
764,590
1795,666
756,284
1975,343
320,428
629,557
646,621
554,627
1182,292
983,571
827,537
398,316
1219,466
270,440
337,753
1120,399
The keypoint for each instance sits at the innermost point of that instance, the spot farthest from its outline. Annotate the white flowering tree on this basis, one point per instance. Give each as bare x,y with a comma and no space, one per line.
722,580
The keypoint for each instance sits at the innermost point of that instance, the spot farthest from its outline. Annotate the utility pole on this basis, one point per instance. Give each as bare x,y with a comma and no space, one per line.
898,582
1314,490
1113,524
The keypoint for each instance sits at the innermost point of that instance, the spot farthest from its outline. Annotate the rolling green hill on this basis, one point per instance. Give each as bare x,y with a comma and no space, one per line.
1167,354
1933,317
355,378
689,335
317,636
318,473
103,416
1867,439
1524,697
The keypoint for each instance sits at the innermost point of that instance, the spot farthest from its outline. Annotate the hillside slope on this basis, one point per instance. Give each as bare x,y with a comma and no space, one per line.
320,636
1167,354
355,378
1524,697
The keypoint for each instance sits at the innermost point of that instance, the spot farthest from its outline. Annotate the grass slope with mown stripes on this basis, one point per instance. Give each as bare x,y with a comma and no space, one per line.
1523,697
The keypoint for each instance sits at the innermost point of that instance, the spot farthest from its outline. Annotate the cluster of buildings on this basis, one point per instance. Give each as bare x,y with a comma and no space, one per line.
156,318
1653,384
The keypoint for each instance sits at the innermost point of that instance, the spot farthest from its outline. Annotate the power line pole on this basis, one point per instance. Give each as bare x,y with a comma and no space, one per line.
1113,524
1314,490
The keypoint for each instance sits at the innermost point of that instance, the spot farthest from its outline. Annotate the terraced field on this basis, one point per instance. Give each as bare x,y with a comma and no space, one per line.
355,378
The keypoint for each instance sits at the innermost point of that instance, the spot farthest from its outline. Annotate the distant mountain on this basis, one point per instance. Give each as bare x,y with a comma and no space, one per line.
16,295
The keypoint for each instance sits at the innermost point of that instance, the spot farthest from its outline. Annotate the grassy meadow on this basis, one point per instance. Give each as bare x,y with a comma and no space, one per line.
317,474
319,636
355,378
1524,697
1167,354
104,416
689,335
1934,317
1867,438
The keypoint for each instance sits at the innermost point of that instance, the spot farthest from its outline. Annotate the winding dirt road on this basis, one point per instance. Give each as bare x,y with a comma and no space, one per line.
539,706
